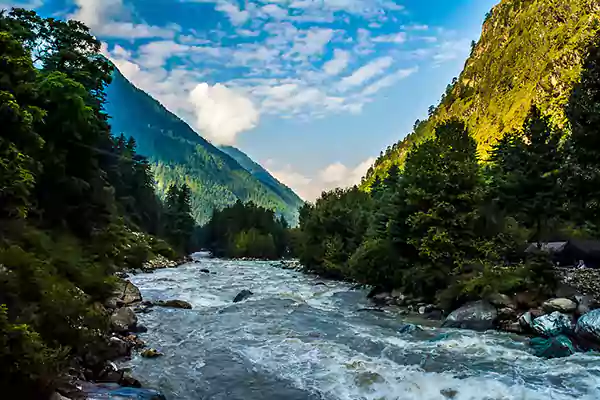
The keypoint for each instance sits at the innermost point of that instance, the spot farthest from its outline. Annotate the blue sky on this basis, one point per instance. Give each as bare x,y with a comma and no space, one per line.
313,90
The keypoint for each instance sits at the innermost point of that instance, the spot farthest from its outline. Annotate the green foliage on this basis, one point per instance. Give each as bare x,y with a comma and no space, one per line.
72,201
246,230
529,53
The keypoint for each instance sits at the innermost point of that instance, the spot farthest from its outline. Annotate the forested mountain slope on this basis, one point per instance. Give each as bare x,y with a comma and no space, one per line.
530,52
178,154
260,173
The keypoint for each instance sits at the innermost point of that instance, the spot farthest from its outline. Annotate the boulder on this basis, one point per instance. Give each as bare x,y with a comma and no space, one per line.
123,320
500,300
426,309
526,321
551,325
562,305
118,348
507,314
243,295
478,315
204,270
382,298
175,304
553,347
134,341
588,329
125,294
151,353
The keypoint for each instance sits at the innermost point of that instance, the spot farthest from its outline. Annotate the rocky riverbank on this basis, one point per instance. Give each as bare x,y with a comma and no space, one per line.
96,376
559,325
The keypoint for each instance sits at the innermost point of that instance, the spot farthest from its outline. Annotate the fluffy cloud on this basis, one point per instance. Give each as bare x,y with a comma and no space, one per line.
330,177
366,72
221,113
338,63
106,18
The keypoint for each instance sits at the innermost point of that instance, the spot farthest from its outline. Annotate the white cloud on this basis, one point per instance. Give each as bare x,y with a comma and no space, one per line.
104,18
399,37
221,113
338,63
235,14
311,42
366,72
388,80
332,176
274,11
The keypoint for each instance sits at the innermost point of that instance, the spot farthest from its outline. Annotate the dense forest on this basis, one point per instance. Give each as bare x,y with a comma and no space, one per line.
246,230
450,226
217,177
77,204
530,53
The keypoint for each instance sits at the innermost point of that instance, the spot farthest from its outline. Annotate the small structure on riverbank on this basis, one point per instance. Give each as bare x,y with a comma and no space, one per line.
574,252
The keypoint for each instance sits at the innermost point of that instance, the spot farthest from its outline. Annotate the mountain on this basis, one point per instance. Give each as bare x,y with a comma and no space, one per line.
178,154
530,52
263,176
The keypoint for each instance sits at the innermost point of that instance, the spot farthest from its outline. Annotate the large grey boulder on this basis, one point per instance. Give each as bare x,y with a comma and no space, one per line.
551,325
175,304
562,305
123,320
588,329
585,304
501,301
125,294
478,315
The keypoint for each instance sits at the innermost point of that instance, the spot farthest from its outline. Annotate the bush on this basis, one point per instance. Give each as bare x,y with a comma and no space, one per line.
375,262
28,365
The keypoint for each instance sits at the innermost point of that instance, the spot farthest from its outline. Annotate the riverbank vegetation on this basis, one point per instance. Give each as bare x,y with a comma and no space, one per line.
246,230
451,226
76,202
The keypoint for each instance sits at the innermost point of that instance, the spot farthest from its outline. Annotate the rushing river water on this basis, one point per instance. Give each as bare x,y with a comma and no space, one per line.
297,338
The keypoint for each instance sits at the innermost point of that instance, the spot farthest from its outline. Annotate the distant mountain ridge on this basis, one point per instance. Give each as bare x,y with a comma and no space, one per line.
217,177
530,52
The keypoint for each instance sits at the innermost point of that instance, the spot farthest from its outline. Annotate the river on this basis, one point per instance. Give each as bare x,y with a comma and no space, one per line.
298,339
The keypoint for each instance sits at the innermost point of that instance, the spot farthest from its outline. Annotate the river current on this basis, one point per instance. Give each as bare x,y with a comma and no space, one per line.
301,337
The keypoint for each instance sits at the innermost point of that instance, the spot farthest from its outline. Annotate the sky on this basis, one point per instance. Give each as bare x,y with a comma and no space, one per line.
313,90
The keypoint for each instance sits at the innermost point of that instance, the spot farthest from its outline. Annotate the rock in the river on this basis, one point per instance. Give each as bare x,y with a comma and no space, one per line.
123,320
435,315
204,270
554,347
562,305
551,325
175,304
243,295
588,329
511,327
382,298
478,315
409,328
125,293
99,391
151,353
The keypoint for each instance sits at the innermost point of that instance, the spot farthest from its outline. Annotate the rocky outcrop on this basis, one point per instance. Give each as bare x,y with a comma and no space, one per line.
561,305
478,315
553,347
175,304
588,329
123,320
124,294
551,325
243,295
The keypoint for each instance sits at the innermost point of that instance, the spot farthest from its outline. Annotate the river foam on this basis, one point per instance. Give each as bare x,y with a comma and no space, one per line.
300,337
